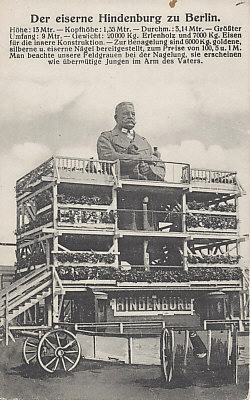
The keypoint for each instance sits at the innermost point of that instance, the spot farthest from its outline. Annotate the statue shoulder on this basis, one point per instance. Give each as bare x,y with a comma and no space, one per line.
106,135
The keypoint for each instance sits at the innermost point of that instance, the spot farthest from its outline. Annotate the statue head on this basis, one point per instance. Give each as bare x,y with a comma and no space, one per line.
125,115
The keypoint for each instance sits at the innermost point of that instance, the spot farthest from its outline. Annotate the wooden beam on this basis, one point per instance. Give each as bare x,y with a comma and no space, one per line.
185,255
184,210
64,248
47,252
37,240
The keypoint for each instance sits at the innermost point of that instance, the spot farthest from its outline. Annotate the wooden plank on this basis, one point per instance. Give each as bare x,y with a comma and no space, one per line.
7,319
84,206
186,347
77,231
139,184
186,235
204,189
29,211
207,212
46,208
209,346
31,232
79,181
37,240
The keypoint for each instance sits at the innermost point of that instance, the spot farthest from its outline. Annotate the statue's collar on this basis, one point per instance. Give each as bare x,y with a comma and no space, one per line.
117,131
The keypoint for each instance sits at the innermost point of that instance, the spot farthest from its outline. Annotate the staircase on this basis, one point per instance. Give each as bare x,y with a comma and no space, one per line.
26,292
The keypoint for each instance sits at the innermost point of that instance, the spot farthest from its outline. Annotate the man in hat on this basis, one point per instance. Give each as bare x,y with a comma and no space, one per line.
138,161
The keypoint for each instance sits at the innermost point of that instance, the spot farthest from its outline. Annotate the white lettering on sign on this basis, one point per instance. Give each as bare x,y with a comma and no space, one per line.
152,305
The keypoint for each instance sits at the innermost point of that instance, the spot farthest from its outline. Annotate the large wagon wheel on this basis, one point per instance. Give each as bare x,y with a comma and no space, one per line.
167,354
235,356
58,350
30,346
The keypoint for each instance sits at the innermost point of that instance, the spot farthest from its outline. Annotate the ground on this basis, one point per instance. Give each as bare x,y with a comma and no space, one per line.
96,380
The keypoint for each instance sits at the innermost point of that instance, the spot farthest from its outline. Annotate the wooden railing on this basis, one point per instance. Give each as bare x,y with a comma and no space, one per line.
81,216
163,221
89,168
212,176
161,171
205,222
83,166
85,258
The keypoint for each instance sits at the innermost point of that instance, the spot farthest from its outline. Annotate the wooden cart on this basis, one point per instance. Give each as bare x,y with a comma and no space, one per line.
167,340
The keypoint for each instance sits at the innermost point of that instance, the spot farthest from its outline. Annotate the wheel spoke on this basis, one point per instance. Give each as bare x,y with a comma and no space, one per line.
31,344
71,351
63,364
67,358
69,344
58,340
56,364
51,361
51,345
30,351
32,358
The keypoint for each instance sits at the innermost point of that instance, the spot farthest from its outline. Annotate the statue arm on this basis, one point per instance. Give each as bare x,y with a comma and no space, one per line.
106,151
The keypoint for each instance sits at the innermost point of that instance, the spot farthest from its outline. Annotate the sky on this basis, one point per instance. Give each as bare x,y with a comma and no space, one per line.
195,113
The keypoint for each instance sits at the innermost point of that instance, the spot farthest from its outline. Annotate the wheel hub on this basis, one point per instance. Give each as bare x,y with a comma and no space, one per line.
59,352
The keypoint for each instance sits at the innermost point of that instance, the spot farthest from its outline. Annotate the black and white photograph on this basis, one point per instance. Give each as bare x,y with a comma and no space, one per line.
124,238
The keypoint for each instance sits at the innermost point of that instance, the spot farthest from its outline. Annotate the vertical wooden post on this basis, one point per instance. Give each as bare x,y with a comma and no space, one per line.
145,255
130,345
146,225
115,238
18,216
7,319
229,345
209,346
55,247
185,255
35,313
184,210
237,214
94,346
241,306
121,327
48,307
186,347
22,213
55,213
234,356
47,252
55,303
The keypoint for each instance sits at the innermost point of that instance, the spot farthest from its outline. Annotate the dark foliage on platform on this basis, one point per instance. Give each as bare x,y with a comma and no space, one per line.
205,206
213,259
77,199
90,257
155,275
210,221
